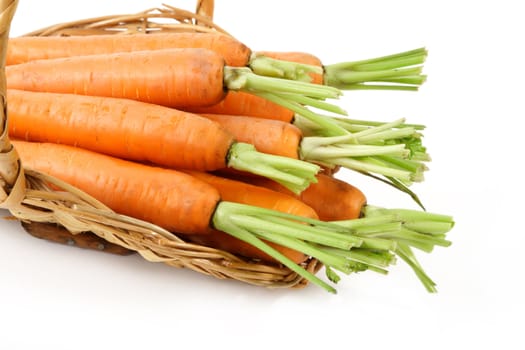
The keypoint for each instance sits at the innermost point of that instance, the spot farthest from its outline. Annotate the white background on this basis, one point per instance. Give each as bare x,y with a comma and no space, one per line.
58,297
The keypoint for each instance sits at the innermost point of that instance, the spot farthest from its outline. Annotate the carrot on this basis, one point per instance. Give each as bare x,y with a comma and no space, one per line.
125,186
399,71
271,136
30,48
242,103
331,198
392,151
181,203
240,192
145,132
177,78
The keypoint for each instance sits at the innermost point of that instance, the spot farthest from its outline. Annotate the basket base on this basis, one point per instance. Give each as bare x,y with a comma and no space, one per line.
86,240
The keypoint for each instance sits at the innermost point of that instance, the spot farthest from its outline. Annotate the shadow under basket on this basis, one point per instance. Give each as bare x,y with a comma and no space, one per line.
55,211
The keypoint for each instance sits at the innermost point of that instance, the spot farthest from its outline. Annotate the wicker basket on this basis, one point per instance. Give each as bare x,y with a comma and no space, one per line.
70,216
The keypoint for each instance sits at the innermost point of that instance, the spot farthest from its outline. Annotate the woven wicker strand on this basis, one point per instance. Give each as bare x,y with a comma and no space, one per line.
32,197
153,20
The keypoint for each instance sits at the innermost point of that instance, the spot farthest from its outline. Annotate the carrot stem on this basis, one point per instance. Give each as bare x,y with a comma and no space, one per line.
405,253
271,67
249,223
243,79
246,236
294,174
366,256
401,71
327,125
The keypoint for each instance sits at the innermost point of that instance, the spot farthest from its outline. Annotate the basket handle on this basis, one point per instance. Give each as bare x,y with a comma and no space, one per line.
12,179
205,8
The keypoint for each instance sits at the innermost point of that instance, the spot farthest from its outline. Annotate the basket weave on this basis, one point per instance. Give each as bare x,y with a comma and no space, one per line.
29,197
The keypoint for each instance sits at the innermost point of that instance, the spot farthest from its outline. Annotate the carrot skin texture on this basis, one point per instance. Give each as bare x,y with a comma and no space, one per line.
242,103
299,57
170,199
240,192
173,77
120,127
31,48
268,136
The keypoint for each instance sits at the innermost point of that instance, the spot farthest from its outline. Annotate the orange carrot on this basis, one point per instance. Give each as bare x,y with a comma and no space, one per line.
398,71
174,78
331,198
31,48
241,192
269,136
181,203
120,127
142,132
167,198
242,103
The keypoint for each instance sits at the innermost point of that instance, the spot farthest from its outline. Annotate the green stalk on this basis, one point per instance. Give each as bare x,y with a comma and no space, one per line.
294,174
405,253
250,224
417,229
392,150
395,169
289,229
354,125
353,77
368,86
335,261
363,64
368,244
267,66
243,79
365,256
401,71
328,126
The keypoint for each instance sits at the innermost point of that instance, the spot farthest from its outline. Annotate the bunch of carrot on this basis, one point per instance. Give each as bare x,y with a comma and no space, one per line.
197,134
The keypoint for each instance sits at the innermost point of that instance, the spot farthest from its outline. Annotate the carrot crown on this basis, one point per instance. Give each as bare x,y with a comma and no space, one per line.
294,174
